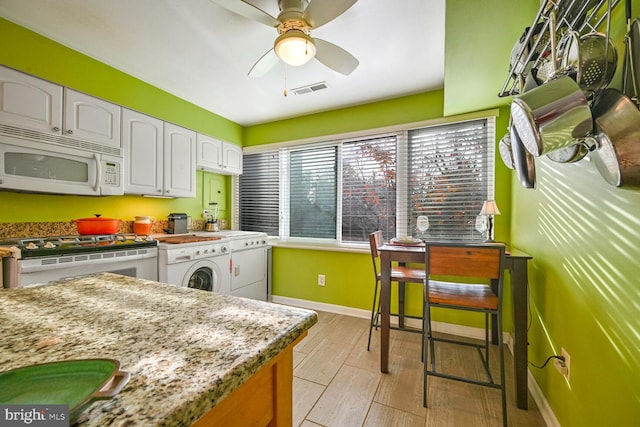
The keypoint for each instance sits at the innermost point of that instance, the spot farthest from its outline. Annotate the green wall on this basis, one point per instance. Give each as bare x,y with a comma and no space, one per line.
582,233
27,51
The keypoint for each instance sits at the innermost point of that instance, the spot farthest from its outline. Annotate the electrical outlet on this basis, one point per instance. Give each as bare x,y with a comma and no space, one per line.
205,213
320,279
567,363
562,366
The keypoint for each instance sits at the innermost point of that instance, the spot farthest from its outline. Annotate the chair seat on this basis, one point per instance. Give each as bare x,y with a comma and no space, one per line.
407,274
462,295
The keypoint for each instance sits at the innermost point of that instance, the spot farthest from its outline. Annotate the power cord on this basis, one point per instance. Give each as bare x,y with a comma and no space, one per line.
555,356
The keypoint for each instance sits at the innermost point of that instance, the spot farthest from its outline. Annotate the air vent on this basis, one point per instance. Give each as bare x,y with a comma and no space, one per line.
310,88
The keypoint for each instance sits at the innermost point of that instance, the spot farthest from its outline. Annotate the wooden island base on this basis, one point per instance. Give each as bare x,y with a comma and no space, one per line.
265,399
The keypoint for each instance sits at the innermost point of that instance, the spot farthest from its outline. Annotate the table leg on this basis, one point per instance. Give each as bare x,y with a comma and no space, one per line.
519,290
385,296
401,297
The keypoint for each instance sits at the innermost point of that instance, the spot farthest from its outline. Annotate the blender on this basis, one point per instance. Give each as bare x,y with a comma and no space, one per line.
212,218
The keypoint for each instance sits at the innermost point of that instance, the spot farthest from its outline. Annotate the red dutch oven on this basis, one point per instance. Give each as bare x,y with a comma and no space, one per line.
97,225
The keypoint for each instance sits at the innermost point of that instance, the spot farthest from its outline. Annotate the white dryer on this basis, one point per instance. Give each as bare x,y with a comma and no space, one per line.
200,264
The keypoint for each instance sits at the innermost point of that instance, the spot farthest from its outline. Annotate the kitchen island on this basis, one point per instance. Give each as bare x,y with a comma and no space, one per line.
193,356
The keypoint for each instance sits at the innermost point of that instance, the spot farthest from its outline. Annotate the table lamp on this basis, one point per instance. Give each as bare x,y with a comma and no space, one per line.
489,209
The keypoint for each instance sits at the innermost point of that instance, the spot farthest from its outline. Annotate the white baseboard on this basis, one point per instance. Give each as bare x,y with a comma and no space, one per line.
545,410
447,328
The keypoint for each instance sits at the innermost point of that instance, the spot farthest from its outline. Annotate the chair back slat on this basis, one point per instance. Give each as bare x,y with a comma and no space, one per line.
375,241
464,261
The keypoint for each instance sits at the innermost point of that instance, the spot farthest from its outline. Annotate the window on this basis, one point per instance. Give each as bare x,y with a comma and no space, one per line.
451,173
343,190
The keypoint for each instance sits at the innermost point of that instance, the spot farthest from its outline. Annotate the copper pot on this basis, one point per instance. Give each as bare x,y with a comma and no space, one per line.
97,225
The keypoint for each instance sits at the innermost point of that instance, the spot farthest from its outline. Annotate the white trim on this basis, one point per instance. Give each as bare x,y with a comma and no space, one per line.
541,401
375,132
445,328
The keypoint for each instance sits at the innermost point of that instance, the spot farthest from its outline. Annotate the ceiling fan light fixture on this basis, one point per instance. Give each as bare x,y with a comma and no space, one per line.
295,47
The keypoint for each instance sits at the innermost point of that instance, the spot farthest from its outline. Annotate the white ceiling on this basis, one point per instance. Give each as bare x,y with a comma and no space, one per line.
202,53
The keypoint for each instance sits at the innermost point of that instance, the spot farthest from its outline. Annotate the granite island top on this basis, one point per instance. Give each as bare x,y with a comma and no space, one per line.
185,349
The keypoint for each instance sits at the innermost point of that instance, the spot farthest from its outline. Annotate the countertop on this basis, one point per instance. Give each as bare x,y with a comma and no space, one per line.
185,349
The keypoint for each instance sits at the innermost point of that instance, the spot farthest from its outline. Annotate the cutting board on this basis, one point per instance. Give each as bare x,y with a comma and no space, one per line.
176,240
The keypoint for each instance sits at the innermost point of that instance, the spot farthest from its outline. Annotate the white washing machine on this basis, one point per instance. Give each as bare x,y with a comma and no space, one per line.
199,264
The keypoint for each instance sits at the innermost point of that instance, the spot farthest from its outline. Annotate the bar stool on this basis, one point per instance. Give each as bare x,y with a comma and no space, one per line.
464,262
399,274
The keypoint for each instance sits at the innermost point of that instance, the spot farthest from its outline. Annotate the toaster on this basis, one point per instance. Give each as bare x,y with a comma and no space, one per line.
177,223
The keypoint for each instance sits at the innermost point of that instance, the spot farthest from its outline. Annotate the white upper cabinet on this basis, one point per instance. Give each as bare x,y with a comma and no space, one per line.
218,156
179,161
29,102
142,140
159,157
91,119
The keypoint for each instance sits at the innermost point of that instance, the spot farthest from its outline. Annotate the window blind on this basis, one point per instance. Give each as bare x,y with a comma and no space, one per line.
368,188
312,192
450,177
259,193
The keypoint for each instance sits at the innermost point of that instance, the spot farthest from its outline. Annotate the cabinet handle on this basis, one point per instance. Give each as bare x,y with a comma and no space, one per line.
56,128
70,131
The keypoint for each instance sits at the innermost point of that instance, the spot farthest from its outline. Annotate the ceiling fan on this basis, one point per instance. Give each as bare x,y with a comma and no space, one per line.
294,44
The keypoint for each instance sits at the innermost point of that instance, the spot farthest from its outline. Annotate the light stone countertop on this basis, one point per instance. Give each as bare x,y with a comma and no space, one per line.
185,349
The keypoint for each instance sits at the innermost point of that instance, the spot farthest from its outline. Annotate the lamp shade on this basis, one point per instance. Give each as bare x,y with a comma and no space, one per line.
295,47
490,208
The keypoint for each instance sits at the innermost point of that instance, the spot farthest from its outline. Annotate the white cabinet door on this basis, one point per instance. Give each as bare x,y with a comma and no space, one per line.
209,153
92,119
232,159
142,141
30,102
179,161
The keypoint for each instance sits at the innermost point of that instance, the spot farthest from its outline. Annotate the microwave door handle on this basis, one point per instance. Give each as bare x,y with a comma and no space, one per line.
96,187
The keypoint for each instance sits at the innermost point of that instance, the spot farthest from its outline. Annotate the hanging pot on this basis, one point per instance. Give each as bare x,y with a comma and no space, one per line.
589,59
551,116
616,153
523,161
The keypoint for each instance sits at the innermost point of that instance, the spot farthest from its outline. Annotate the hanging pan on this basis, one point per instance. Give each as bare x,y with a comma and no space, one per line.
589,59
505,151
523,161
616,149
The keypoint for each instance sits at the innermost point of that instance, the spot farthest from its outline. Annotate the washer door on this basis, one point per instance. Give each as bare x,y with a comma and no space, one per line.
204,275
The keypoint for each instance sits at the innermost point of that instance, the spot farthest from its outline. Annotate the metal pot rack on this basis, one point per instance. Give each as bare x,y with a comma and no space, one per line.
554,17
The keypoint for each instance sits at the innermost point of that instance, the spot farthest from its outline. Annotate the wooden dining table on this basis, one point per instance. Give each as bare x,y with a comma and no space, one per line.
515,263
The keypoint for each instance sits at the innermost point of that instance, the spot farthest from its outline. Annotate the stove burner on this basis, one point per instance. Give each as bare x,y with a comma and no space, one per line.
32,247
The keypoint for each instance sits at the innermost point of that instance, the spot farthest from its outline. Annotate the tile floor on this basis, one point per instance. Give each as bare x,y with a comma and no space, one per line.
337,382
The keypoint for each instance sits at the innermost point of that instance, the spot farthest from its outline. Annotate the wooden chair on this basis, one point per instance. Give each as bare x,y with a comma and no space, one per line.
400,274
468,263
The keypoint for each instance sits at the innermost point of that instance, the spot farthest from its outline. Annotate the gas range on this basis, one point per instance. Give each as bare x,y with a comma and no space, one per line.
36,247
39,260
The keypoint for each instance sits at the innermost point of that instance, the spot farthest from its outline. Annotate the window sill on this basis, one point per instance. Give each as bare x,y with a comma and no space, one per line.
315,245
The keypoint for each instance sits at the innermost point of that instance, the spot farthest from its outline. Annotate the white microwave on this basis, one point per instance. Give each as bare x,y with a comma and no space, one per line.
30,166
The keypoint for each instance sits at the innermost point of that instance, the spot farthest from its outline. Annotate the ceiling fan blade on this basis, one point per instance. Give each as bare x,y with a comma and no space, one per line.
264,64
335,57
248,11
320,12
